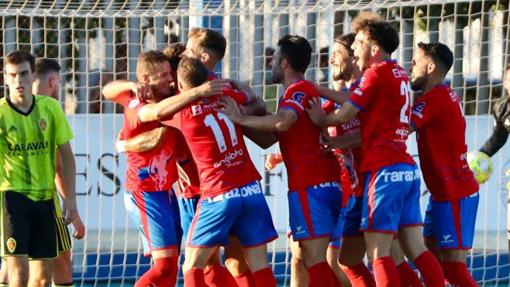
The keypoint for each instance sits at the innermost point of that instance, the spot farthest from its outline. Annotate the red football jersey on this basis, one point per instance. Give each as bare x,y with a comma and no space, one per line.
306,161
440,125
384,100
188,185
152,170
351,176
217,146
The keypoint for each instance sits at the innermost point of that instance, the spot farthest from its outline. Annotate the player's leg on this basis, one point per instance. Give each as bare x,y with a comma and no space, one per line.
62,265
210,228
298,272
154,215
408,277
332,256
429,232
236,263
18,270
63,269
254,228
313,216
352,249
43,244
40,272
214,272
455,226
4,277
411,234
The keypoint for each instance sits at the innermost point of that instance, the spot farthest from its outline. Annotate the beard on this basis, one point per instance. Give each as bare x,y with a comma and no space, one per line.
277,76
341,74
417,84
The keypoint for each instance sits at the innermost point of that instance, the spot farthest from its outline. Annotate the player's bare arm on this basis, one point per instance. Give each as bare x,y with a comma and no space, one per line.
256,105
352,140
69,209
121,91
332,95
78,225
264,139
142,142
342,115
279,122
171,105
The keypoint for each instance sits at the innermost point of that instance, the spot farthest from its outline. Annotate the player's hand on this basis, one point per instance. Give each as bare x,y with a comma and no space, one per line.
229,107
272,160
120,146
79,228
338,142
142,91
211,88
315,111
69,210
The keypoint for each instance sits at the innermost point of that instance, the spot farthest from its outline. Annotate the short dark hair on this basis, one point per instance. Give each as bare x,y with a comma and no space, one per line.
297,50
44,66
439,52
173,52
18,57
192,72
346,40
147,61
382,33
210,40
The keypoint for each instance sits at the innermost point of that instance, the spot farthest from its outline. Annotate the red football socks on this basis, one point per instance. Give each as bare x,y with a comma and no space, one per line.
457,274
385,272
430,269
320,275
194,278
408,278
245,279
163,273
359,275
264,278
218,276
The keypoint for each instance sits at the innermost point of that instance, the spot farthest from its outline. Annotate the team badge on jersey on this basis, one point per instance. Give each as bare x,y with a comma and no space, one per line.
298,97
11,245
418,109
196,110
42,124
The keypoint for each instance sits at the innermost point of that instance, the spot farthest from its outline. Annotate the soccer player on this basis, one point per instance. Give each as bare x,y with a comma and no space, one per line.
32,129
47,83
391,201
149,197
314,193
437,118
232,197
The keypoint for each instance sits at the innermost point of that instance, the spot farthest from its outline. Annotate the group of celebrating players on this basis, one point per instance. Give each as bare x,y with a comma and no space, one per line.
353,190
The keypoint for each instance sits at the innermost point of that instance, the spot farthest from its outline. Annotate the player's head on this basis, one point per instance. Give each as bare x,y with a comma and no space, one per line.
342,57
191,73
174,52
47,77
153,69
19,73
506,79
206,45
364,17
374,42
292,53
430,60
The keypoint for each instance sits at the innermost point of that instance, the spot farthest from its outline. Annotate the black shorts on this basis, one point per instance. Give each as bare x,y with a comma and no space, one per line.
28,227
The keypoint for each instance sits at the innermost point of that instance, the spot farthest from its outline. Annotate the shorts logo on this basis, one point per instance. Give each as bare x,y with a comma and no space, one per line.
42,124
11,244
447,239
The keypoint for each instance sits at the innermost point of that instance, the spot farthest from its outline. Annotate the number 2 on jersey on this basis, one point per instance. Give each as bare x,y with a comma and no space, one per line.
211,122
405,90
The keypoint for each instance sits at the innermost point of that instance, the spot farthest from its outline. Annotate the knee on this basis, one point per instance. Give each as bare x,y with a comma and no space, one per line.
332,259
40,282
18,277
